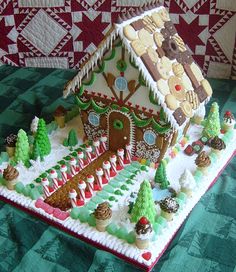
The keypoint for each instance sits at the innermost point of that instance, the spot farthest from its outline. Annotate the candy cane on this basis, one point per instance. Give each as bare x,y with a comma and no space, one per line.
45,184
120,153
72,196
90,181
99,174
63,173
73,169
88,151
106,166
96,145
128,148
82,186
53,176
113,160
103,140
81,159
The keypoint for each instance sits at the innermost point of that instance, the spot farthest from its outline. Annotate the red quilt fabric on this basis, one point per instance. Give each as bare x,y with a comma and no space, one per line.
62,33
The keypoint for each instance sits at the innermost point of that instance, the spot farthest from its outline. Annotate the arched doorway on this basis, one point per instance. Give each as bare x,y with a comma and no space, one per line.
119,130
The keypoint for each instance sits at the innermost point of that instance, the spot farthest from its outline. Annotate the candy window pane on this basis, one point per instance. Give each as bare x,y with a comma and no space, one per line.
121,83
94,119
149,137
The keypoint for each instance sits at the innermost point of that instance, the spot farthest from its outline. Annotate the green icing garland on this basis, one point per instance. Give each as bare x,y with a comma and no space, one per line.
141,80
132,63
140,122
99,109
117,124
91,81
100,67
81,104
113,53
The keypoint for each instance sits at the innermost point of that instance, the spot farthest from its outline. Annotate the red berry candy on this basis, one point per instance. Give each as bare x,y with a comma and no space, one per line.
228,113
143,220
178,88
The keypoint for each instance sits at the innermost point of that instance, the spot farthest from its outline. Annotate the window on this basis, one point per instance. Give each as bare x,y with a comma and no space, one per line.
121,84
149,137
94,119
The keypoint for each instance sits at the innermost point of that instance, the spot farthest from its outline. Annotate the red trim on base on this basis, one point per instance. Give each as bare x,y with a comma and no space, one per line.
96,244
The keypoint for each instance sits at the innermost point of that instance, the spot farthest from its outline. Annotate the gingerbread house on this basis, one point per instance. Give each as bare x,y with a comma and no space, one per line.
141,86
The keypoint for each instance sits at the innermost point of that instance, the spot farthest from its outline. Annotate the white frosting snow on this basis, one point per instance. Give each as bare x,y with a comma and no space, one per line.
34,124
187,180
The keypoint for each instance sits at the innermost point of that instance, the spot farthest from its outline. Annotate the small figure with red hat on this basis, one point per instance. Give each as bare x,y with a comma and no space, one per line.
229,121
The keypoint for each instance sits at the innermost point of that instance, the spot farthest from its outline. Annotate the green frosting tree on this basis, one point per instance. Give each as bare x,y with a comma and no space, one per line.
42,140
36,152
22,148
212,123
72,139
144,204
160,176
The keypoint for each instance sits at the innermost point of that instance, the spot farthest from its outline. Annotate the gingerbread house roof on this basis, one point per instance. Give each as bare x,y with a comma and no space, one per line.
163,59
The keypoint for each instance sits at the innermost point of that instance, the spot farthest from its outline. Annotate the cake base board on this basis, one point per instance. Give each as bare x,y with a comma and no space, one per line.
105,248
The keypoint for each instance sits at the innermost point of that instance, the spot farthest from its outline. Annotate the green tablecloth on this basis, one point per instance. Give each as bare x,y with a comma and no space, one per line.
205,243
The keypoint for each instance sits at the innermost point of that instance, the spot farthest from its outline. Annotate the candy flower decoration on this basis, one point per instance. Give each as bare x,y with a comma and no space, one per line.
144,204
212,123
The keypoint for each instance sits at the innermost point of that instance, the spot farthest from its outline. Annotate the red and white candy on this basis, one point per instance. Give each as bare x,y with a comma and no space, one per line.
120,154
53,175
72,196
106,166
88,151
103,140
113,160
82,187
81,159
128,148
90,182
73,168
64,173
45,183
96,144
99,174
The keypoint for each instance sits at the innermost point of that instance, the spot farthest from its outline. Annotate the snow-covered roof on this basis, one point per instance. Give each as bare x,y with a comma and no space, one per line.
163,59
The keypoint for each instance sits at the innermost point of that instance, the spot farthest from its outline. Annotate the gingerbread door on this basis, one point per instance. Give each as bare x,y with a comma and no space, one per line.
119,130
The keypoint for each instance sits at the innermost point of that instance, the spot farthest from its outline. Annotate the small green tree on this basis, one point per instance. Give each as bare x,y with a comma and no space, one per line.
22,148
160,176
144,204
72,138
42,140
36,152
212,122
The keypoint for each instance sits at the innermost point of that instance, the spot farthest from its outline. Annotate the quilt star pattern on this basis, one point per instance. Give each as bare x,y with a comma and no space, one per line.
64,33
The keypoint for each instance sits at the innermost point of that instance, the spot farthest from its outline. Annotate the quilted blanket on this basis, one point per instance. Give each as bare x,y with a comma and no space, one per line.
205,243
63,33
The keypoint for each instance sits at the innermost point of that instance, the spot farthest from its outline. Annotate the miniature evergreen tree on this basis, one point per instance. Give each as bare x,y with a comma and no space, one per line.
22,148
212,123
160,176
36,152
72,138
144,204
42,140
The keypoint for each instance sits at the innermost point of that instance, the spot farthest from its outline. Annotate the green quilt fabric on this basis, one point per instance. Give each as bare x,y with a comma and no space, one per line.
205,243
